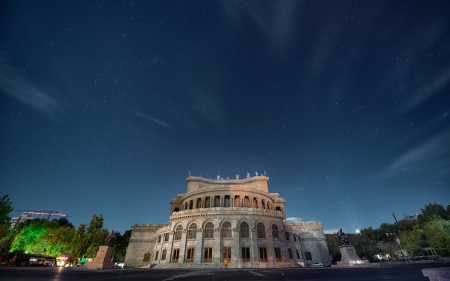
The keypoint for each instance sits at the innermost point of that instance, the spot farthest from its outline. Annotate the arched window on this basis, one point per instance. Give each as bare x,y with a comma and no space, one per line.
209,230
244,230
261,230
275,232
192,232
226,230
178,232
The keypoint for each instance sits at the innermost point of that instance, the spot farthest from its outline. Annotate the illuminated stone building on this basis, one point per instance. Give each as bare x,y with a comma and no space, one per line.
227,223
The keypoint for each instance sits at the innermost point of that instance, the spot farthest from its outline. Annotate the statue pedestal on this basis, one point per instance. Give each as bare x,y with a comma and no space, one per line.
349,256
103,259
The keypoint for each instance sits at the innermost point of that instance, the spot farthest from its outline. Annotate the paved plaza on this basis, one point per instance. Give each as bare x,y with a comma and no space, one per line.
407,272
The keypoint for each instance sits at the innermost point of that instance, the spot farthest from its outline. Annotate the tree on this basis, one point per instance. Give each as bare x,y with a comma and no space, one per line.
333,246
5,209
28,237
413,240
364,246
120,245
430,212
95,235
437,233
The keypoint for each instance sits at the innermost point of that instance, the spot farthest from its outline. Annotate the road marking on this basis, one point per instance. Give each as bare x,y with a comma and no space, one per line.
259,274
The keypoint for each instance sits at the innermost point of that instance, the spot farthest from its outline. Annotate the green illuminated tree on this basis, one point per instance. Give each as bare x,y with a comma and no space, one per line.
437,233
95,235
28,234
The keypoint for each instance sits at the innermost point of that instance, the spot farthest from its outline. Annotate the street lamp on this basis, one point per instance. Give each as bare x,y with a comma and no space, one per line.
400,245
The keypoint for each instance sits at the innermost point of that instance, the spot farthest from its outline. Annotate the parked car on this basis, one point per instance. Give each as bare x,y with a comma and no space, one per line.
317,264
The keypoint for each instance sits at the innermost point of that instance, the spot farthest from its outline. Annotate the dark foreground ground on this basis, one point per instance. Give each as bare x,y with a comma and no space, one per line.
405,272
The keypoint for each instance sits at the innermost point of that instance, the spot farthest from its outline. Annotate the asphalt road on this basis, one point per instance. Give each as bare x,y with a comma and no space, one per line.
406,272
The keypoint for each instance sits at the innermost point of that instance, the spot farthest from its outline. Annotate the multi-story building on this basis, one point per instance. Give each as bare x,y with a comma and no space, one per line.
232,223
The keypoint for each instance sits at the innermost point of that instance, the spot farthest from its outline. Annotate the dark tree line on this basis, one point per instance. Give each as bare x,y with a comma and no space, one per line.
431,229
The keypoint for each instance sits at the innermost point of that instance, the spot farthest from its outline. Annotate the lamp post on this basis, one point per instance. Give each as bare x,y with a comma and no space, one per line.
400,245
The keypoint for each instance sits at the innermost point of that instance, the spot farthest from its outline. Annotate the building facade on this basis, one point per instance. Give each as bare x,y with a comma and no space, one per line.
227,223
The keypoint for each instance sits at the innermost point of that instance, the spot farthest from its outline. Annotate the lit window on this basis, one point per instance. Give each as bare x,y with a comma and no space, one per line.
190,255
278,254
263,254
207,256
176,254
246,254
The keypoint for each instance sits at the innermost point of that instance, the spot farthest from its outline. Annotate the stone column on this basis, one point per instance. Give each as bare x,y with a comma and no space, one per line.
199,246
235,249
182,246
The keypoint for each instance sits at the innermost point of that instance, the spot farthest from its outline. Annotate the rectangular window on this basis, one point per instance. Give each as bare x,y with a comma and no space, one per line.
245,254
226,254
146,257
199,203
298,256
278,255
263,254
176,254
190,255
217,201
166,237
163,257
207,255
227,202
295,237
287,235
308,256
159,238
156,255
290,253
207,202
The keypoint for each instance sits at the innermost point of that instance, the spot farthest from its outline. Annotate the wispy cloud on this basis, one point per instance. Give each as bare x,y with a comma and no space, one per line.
430,157
421,95
294,219
154,120
281,16
15,83
331,231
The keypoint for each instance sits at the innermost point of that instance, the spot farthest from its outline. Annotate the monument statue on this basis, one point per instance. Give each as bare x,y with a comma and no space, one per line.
103,258
110,239
343,238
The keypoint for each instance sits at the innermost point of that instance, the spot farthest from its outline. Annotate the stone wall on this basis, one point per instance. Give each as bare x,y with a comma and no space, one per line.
312,240
142,242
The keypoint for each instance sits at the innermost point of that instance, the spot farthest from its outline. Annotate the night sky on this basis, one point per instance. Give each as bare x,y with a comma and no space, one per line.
107,106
